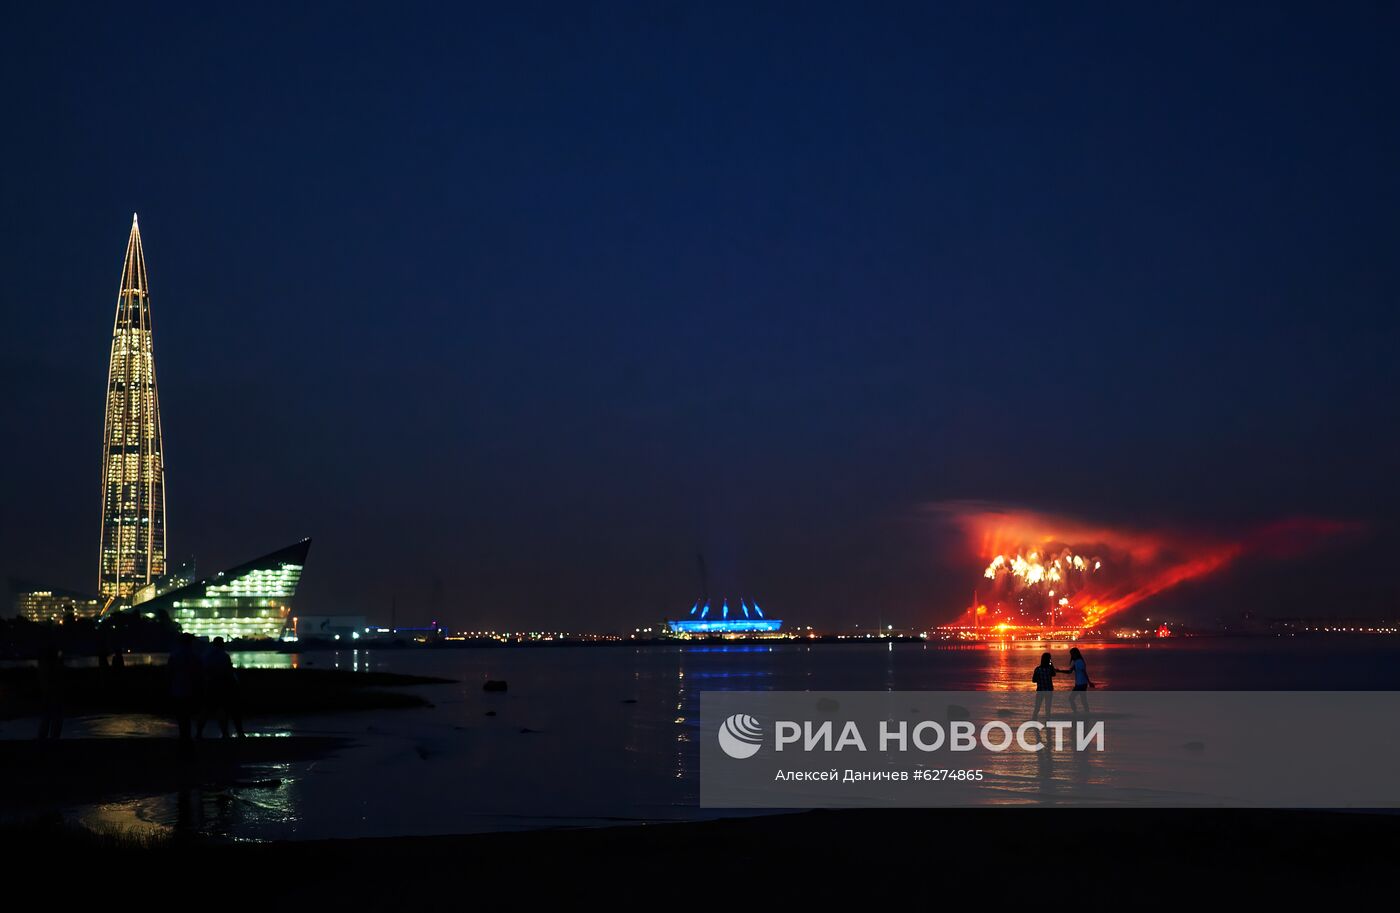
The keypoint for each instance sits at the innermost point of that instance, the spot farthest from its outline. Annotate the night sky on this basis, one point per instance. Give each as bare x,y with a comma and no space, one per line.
516,308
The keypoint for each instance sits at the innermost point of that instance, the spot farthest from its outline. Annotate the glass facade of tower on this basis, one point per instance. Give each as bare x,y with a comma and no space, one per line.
132,545
252,601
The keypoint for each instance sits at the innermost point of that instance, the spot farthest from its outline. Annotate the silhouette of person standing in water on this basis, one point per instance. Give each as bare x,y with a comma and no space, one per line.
50,693
1082,683
220,690
1044,678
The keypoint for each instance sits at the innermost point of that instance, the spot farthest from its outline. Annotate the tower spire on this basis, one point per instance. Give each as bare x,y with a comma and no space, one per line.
134,264
131,550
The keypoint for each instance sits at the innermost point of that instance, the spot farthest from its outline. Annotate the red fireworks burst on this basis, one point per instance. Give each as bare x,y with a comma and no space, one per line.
1051,570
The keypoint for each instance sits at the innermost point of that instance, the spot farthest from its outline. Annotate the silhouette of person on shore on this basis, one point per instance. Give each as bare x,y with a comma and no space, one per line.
1044,678
50,693
221,689
184,669
116,678
1082,683
103,653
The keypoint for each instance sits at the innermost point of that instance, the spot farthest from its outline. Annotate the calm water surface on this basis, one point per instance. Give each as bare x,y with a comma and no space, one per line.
591,735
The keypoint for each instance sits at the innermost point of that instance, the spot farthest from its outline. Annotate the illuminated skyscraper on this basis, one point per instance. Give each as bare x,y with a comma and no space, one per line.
132,547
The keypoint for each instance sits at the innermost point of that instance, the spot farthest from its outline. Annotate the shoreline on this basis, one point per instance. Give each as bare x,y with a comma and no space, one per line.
64,772
80,660
144,688
321,646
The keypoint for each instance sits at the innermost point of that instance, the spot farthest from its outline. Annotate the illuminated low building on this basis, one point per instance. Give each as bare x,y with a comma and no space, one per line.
49,605
252,601
746,621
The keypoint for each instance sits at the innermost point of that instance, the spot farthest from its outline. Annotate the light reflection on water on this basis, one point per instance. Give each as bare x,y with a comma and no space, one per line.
252,659
602,734
266,800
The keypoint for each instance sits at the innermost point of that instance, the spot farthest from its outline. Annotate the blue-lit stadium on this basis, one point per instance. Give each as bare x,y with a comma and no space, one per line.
699,622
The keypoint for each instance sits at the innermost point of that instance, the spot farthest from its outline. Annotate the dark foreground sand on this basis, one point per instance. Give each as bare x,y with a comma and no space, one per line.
1066,859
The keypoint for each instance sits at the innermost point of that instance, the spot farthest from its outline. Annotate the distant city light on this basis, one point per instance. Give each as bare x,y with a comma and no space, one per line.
736,626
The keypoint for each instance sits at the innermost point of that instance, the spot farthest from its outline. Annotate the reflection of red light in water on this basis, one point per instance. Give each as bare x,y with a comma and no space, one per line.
1052,571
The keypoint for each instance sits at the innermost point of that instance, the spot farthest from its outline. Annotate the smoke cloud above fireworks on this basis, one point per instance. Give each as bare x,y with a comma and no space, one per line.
1052,570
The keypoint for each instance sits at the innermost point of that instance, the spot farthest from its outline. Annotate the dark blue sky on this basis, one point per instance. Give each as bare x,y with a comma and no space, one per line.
514,310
